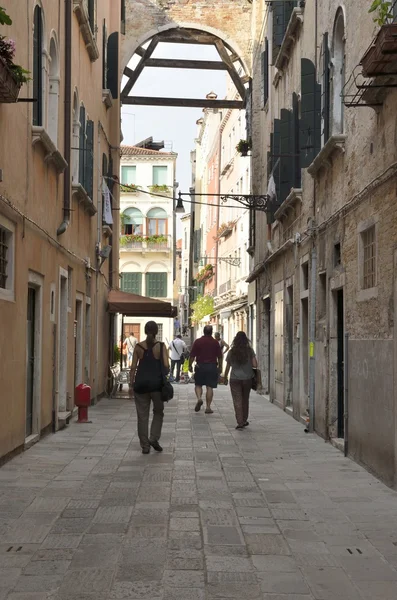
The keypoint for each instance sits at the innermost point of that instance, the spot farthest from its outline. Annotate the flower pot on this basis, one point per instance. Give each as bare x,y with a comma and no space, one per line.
9,88
381,55
244,150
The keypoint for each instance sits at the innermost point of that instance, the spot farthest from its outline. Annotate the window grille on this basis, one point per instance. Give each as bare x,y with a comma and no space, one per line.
3,257
369,258
159,336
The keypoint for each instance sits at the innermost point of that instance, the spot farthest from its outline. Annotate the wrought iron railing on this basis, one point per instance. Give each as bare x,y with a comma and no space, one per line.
226,287
145,242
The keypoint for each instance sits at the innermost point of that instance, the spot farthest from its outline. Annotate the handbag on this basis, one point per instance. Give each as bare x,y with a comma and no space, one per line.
167,391
256,382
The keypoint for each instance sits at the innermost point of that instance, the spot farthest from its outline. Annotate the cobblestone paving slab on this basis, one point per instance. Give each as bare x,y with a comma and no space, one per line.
267,513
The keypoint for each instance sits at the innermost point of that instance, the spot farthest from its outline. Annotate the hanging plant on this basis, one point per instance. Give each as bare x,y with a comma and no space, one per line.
224,229
205,273
129,188
383,10
243,146
159,189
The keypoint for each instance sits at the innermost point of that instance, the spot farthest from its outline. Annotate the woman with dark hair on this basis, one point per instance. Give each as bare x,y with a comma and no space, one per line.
149,362
241,360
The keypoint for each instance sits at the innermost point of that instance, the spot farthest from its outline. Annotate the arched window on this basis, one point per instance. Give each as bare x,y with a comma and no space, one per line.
338,73
53,101
133,221
38,37
157,222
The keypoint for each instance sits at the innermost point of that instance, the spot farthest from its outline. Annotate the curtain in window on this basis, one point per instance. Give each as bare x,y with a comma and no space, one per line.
128,175
160,175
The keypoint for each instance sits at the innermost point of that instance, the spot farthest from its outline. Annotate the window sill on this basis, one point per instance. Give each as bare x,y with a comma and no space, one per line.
52,154
293,198
81,195
290,37
336,143
80,10
107,98
7,295
368,294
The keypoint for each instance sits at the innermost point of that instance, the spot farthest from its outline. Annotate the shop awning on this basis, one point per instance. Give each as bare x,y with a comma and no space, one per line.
133,305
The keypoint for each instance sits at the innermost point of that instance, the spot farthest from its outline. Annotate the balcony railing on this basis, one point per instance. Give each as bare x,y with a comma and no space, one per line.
140,243
228,286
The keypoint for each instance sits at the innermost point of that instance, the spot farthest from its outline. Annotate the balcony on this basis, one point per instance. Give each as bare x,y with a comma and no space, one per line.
228,286
145,243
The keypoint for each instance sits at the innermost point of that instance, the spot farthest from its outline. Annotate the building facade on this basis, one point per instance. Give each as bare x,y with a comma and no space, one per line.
57,250
324,127
147,236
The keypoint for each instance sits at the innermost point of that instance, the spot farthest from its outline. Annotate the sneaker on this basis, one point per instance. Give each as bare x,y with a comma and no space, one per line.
240,427
246,424
198,405
156,446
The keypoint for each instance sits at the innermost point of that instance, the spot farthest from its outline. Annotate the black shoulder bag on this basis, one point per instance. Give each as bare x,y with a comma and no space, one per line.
167,391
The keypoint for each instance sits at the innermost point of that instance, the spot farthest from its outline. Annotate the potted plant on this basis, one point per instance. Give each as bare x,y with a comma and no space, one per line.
243,146
224,229
129,188
381,55
205,273
159,189
12,76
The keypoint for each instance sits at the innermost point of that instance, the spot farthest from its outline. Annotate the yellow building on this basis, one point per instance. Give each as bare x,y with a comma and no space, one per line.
59,144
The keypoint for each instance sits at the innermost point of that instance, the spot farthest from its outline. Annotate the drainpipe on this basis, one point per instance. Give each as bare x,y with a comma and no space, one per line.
97,258
68,121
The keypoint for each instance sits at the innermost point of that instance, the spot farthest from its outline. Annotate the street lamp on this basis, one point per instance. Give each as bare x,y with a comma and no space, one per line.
261,202
179,208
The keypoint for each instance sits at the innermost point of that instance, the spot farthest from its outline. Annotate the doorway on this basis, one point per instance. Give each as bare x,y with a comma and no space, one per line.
340,361
134,328
63,342
30,359
78,343
304,348
289,317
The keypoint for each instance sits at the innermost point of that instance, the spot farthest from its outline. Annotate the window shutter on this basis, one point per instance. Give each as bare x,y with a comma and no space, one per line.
110,181
38,67
286,160
122,27
325,104
310,124
265,72
278,27
276,157
89,172
91,14
295,143
132,283
104,56
248,112
82,147
113,64
156,285
288,8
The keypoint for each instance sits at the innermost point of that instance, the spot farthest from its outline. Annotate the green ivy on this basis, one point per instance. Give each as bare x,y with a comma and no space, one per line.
383,11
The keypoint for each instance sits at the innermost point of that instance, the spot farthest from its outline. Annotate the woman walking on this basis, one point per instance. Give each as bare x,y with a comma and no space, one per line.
241,360
150,361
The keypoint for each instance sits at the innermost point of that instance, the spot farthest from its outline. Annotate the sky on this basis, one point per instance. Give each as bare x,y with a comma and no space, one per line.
176,126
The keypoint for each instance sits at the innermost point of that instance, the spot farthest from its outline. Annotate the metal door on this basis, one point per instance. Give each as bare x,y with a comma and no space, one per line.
30,360
340,364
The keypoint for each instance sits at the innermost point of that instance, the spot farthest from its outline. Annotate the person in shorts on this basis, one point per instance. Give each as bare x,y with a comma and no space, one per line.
209,358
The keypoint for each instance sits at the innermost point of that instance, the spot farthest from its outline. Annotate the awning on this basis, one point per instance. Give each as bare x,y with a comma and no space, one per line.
133,305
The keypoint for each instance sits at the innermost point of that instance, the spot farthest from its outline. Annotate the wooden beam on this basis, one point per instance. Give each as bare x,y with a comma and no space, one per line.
186,36
140,66
223,53
165,63
183,102
140,51
128,72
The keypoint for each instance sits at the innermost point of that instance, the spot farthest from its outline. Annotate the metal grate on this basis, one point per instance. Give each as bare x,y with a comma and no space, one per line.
160,333
369,258
3,257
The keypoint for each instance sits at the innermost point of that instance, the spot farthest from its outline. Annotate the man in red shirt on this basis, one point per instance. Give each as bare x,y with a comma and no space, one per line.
209,358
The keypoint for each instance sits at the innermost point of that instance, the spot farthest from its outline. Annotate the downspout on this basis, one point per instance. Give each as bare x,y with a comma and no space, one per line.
67,121
312,332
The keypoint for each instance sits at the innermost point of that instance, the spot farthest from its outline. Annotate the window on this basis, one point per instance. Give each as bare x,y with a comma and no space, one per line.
53,100
368,258
4,241
265,73
86,153
157,222
128,175
133,221
338,73
132,283
156,285
38,66
7,239
282,11
159,336
337,254
322,295
160,175
305,276
91,14
104,56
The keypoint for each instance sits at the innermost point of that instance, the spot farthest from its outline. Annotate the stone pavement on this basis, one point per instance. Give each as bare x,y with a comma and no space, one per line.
267,513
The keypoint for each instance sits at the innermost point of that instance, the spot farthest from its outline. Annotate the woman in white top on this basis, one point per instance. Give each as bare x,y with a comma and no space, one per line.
241,360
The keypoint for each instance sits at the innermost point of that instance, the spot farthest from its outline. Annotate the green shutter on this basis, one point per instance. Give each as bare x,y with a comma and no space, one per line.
38,67
128,175
276,159
89,170
265,72
286,160
156,285
160,175
289,6
113,64
132,283
82,146
310,123
325,104
295,143
104,56
282,11
248,112
110,181
91,14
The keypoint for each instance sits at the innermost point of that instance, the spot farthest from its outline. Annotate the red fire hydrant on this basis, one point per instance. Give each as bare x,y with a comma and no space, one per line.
82,399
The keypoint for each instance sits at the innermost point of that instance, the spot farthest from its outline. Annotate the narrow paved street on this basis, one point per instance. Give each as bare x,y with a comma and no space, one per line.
267,513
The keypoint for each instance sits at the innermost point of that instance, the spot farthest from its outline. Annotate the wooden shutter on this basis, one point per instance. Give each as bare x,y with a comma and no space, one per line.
326,104
122,26
38,67
91,14
113,64
276,157
82,147
89,173
278,27
288,8
295,143
110,181
104,56
286,151
132,283
310,123
156,285
265,72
